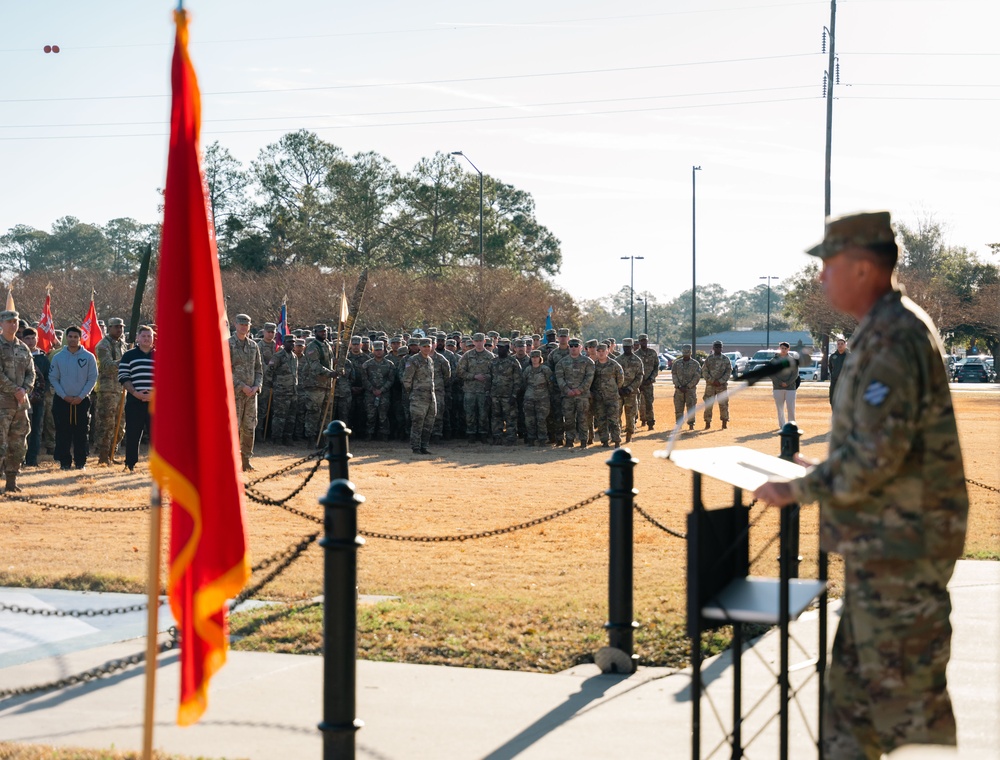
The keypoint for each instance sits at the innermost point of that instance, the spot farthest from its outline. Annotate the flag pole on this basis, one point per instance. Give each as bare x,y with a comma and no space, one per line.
152,619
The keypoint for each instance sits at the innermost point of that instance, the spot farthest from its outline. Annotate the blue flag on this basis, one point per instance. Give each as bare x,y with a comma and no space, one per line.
283,322
548,323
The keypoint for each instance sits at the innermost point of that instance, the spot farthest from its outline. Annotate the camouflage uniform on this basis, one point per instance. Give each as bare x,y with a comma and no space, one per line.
893,502
378,375
716,373
537,382
685,374
282,375
314,386
634,372
109,396
442,382
608,379
651,368
244,357
556,425
418,382
471,364
505,379
267,352
17,370
575,374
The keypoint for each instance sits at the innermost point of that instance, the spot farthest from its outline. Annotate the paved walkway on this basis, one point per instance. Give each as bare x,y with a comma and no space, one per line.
267,705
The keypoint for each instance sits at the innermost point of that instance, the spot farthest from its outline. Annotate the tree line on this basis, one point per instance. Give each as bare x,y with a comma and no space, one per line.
303,201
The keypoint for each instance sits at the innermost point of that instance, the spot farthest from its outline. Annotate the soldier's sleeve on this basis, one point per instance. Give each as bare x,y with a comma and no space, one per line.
29,375
366,381
619,375
258,368
408,375
560,375
445,368
654,369
882,420
588,376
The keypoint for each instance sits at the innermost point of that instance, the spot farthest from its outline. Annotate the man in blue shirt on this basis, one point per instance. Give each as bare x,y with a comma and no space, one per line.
73,376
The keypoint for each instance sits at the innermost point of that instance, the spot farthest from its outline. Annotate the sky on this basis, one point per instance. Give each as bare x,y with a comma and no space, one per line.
598,109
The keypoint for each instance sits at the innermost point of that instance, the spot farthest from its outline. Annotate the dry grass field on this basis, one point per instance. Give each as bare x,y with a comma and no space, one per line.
534,599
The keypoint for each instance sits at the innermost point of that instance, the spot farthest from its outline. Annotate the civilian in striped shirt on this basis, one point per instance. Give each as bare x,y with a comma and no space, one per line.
135,373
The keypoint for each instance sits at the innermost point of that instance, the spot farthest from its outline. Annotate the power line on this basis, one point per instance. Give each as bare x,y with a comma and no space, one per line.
432,122
416,111
535,75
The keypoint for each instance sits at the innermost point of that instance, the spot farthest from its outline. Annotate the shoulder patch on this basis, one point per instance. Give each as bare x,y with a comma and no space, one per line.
876,393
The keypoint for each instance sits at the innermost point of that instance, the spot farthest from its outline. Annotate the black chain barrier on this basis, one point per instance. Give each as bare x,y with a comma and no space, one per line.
257,496
319,454
656,523
983,485
107,669
485,533
47,505
102,612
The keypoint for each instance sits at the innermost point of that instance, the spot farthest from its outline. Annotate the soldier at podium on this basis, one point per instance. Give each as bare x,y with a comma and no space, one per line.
892,501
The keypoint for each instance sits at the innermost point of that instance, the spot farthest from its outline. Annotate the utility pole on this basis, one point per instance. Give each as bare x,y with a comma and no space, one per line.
694,260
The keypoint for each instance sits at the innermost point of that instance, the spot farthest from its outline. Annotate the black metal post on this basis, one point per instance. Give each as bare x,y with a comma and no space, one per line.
790,435
621,495
696,506
340,613
789,563
337,442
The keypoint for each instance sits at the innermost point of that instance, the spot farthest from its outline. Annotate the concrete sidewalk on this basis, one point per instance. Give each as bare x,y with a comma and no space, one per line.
267,705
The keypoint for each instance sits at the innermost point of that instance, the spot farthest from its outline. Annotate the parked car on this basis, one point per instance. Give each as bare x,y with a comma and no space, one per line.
809,373
764,356
973,372
739,362
667,360
664,366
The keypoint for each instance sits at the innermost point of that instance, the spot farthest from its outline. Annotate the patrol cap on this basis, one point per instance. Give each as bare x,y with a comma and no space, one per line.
451,342
116,321
574,341
426,343
592,343
289,337
8,314
536,337
563,332
267,326
355,340
871,230
686,348
466,342
550,331
378,345
493,333
536,352
413,342
300,341
478,336
643,336
627,342
396,339
716,343
515,333
242,319
503,342
518,343
440,335
603,347
317,328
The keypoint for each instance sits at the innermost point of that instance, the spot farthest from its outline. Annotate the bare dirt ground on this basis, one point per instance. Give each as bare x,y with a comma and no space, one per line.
540,592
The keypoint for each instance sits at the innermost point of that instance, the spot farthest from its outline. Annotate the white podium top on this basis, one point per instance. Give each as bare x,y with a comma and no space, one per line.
737,465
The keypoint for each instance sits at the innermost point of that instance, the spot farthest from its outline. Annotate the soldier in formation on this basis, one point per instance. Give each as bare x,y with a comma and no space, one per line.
634,375
418,382
248,377
17,376
282,377
716,373
685,373
608,381
650,368
574,376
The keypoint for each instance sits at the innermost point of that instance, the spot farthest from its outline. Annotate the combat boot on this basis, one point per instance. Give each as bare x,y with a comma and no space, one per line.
628,438
12,486
103,461
725,424
247,467
709,425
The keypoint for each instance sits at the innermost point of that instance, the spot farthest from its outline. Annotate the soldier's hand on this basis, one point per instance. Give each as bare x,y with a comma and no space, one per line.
775,494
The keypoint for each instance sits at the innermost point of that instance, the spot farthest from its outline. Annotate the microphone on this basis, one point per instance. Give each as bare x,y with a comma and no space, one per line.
769,369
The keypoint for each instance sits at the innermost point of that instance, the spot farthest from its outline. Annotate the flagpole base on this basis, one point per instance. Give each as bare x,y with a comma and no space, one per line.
338,739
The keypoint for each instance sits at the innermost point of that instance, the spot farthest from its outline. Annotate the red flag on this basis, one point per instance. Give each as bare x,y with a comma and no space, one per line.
195,456
91,331
46,328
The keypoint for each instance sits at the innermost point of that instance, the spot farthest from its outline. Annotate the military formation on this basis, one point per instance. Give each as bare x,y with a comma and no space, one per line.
434,387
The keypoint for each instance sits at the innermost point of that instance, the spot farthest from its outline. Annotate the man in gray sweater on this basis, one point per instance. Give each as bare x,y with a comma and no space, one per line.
73,376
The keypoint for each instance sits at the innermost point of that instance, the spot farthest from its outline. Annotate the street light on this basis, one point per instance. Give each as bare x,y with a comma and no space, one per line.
694,259
482,261
645,315
631,294
769,278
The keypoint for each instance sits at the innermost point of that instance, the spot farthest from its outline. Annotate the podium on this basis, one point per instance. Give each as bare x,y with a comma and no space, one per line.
720,590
